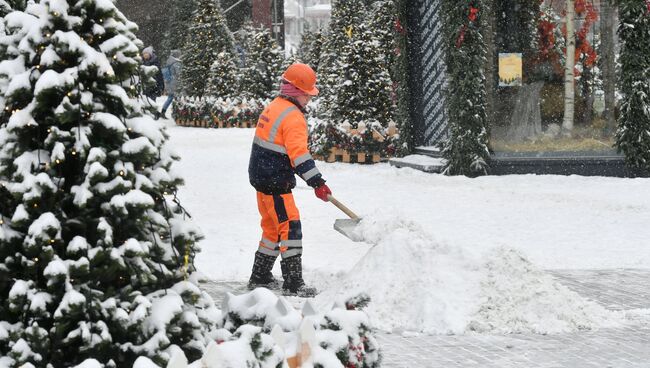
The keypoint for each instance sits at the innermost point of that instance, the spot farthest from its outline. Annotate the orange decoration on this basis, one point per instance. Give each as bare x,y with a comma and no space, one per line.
584,49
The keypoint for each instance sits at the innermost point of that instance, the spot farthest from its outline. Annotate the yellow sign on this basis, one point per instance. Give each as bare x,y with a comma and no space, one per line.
510,69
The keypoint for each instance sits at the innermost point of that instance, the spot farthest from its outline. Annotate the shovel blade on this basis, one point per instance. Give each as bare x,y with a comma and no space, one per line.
347,227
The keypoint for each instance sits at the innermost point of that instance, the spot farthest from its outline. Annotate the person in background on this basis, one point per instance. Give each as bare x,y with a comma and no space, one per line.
171,74
279,152
150,59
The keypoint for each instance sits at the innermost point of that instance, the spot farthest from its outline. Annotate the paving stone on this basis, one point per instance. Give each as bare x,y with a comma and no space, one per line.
625,347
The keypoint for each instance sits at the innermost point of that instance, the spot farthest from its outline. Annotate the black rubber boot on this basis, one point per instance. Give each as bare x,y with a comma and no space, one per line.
285,270
293,284
261,275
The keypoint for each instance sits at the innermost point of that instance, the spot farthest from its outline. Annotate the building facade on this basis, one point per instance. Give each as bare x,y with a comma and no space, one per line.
301,16
270,14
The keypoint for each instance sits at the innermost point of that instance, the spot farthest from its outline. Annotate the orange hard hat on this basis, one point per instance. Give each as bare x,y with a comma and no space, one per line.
303,77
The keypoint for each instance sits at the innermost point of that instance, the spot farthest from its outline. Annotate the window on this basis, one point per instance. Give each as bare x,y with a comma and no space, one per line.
528,84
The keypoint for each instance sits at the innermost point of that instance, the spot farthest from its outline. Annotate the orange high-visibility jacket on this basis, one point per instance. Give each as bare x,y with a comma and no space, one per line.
280,150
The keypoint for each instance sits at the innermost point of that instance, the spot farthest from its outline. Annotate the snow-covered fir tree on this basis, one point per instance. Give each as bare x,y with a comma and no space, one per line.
261,75
382,22
311,47
179,22
94,248
466,151
207,36
224,76
632,137
363,91
390,32
357,86
347,17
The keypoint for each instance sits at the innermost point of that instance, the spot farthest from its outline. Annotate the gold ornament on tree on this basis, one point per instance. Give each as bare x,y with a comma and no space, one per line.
348,31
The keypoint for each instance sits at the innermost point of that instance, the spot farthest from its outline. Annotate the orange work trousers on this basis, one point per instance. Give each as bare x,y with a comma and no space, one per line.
281,229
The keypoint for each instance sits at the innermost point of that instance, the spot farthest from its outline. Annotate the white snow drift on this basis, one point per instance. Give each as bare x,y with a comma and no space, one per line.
418,284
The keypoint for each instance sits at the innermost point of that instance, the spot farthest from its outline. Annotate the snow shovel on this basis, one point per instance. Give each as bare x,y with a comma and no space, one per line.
346,226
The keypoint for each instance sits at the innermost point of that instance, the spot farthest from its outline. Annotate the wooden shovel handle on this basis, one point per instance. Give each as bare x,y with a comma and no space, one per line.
342,207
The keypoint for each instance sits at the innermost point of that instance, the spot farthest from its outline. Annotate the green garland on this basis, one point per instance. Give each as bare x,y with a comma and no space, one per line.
208,111
634,122
327,137
406,144
466,151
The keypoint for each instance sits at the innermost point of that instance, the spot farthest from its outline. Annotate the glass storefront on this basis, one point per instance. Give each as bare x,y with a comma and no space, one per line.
528,105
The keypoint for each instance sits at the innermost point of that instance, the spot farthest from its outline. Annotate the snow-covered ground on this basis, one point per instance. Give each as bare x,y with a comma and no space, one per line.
451,254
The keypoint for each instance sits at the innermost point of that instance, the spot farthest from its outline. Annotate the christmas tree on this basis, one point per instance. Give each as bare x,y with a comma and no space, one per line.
261,75
357,93
207,36
363,91
386,26
311,46
224,80
634,121
466,151
179,22
347,17
94,248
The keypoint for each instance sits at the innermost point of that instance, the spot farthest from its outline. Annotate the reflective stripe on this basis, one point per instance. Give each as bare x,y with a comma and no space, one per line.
269,244
269,146
310,174
302,159
292,244
291,253
278,121
268,252
269,248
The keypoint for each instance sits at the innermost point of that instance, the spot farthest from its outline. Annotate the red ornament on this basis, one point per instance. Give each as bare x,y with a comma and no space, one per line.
647,4
461,38
399,28
473,13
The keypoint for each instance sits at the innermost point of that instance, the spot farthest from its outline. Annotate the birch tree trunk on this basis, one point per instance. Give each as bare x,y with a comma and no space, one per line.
569,77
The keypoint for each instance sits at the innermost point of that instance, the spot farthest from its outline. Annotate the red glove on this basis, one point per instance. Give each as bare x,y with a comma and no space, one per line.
322,192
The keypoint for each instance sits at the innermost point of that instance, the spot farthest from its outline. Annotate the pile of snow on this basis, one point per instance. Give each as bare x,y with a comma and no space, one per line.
418,284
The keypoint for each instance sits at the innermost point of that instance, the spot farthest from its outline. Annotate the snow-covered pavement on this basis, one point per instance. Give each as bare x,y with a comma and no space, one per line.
468,227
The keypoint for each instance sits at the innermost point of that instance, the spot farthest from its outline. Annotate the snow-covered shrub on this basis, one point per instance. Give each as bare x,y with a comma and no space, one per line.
216,111
343,332
368,136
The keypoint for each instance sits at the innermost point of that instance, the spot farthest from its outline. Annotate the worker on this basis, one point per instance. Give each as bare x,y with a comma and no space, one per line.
279,151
